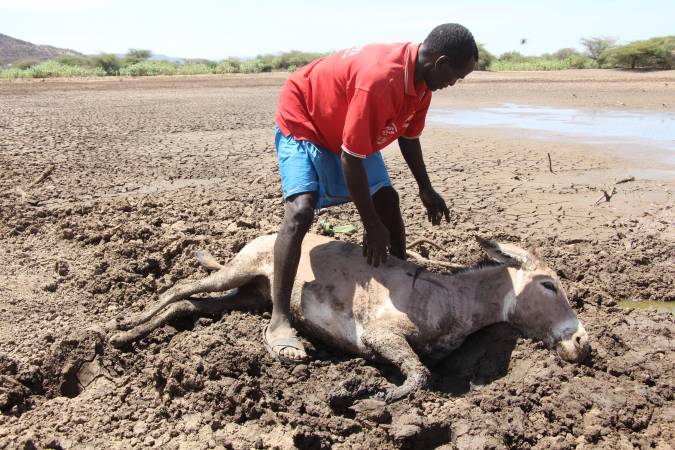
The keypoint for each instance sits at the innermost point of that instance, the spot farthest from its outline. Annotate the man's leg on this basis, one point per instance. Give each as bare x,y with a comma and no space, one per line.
298,216
387,206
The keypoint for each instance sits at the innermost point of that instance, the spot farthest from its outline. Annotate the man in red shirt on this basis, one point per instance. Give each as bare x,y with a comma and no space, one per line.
335,115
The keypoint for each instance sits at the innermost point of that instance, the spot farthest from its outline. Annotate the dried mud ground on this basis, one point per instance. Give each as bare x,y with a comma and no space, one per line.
146,171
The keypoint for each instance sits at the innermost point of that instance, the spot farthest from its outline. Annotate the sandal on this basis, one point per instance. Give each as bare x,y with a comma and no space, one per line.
275,346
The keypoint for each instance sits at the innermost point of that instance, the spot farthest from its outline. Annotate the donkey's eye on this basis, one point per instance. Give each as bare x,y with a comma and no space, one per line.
549,285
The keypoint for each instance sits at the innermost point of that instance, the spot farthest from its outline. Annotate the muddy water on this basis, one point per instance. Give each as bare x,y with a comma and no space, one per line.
653,131
650,306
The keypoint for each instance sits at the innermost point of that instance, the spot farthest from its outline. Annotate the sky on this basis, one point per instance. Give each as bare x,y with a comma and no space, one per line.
215,29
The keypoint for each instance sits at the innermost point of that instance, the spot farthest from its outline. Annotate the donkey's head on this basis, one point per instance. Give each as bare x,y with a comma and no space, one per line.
539,306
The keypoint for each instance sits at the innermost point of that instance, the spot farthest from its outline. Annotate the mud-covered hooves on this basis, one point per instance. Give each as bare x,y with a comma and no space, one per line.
120,341
345,394
122,324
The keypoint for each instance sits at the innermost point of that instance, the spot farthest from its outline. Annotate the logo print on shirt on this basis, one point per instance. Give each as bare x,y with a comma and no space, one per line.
352,51
386,132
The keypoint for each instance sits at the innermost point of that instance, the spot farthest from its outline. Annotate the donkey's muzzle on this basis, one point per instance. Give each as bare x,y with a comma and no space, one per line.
575,348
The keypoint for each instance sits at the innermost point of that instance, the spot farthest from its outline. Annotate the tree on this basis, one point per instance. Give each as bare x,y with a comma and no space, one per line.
136,55
485,58
25,63
108,62
597,48
564,53
655,53
512,57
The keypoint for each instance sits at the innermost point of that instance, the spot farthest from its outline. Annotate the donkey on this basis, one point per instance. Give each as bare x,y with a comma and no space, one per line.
393,312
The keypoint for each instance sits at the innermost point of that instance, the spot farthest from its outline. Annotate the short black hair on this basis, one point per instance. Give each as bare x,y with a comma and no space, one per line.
454,41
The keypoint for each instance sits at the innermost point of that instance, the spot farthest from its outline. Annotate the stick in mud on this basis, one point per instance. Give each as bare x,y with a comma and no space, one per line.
42,177
625,180
424,241
422,259
606,196
550,164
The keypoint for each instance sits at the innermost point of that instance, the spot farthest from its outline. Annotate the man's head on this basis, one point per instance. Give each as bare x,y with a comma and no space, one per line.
448,54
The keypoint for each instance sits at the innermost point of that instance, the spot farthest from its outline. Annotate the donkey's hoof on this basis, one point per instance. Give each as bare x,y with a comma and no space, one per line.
123,324
119,340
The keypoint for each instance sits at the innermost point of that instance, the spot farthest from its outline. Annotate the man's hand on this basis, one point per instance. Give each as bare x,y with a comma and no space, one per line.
376,240
434,203
376,243
435,206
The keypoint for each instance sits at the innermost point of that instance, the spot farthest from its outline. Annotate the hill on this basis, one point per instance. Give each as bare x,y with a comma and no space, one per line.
12,50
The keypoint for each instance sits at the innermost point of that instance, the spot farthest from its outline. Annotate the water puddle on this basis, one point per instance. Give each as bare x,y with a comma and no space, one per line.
654,129
652,306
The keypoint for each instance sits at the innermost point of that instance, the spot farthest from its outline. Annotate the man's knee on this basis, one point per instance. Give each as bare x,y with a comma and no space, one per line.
299,214
386,197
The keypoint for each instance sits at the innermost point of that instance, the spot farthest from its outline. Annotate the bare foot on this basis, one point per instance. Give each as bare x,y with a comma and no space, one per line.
283,344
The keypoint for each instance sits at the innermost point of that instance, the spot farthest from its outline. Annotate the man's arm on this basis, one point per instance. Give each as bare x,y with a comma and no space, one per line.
376,236
412,153
434,203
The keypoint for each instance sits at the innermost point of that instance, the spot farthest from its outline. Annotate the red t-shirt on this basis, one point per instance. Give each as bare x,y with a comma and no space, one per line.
358,100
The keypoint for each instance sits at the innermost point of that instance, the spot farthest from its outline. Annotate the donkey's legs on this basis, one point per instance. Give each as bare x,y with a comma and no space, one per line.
394,348
232,276
183,308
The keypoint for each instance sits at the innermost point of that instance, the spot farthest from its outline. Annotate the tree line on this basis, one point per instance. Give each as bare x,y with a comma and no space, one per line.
600,52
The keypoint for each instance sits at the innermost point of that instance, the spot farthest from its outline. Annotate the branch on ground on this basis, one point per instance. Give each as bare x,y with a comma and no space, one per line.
625,180
422,259
606,196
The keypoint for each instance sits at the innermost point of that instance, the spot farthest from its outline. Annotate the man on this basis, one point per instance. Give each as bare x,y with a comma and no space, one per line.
334,116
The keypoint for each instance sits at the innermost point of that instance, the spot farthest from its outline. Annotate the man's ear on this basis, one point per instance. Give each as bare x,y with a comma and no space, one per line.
440,61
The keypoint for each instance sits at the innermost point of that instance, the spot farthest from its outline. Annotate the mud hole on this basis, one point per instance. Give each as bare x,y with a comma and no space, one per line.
146,172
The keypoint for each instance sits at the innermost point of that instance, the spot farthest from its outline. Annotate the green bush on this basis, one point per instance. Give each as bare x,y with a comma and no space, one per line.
211,64
136,55
512,57
52,69
74,60
25,63
296,59
485,58
149,68
598,48
253,66
108,62
581,61
230,65
194,69
563,53
13,72
655,53
532,63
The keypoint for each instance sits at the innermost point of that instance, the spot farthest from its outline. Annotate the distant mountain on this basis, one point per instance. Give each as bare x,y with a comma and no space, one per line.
154,57
12,50
166,58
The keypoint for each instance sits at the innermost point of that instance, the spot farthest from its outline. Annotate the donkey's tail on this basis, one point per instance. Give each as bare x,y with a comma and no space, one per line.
207,260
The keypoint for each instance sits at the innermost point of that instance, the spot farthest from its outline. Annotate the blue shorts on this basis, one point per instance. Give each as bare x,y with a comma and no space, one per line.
304,167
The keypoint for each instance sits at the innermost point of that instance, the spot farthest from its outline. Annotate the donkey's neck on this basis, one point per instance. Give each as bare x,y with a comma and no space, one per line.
477,298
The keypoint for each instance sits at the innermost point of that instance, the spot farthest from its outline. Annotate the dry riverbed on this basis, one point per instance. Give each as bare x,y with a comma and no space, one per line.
108,186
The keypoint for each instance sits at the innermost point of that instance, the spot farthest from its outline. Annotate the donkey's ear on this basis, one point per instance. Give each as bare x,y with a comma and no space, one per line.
508,254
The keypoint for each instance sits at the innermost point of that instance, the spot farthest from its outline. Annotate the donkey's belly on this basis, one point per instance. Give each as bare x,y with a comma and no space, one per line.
320,312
